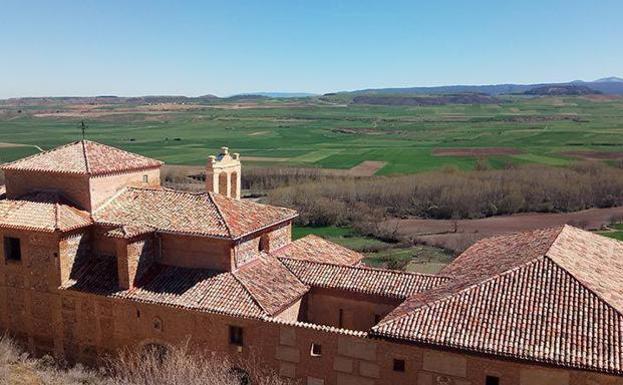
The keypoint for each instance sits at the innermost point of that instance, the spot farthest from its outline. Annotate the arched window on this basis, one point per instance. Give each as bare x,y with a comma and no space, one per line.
233,178
222,184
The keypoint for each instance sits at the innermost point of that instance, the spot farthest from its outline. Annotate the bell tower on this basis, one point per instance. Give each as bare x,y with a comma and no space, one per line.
223,174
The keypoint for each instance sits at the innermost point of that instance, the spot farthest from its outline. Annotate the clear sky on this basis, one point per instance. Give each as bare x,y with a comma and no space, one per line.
135,47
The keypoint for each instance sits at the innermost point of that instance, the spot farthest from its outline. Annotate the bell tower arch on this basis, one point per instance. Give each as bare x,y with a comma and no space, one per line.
223,174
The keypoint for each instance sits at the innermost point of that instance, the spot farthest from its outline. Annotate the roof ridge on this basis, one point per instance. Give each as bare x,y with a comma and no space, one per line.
581,283
513,234
359,267
463,290
220,213
56,216
233,273
290,270
86,158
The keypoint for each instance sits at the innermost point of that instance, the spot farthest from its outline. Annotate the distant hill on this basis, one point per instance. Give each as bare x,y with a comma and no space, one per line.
280,95
566,89
612,79
108,99
395,100
608,86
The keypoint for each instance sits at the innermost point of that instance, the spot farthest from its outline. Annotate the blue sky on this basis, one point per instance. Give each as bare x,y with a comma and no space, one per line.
226,47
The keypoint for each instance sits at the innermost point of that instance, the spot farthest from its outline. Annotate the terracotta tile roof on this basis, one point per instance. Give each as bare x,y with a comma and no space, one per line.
388,283
189,213
83,157
192,289
317,249
260,289
41,212
541,296
272,285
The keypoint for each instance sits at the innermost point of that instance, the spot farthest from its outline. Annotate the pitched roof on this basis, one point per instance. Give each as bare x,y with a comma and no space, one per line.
272,285
260,289
317,249
42,212
387,283
542,296
204,213
83,157
187,288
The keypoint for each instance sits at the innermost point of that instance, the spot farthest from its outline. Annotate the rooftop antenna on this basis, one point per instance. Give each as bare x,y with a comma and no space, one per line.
83,128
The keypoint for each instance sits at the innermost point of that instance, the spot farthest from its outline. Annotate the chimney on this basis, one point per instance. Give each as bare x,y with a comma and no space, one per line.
223,174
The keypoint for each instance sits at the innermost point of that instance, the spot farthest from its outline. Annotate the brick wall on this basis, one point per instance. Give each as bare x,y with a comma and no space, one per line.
199,252
72,247
28,290
134,257
103,187
74,187
271,239
358,311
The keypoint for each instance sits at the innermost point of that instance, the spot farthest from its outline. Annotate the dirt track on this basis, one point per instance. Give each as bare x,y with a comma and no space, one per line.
593,155
476,151
441,232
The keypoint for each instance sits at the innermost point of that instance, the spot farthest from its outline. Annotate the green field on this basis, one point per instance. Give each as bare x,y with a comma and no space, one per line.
419,258
317,133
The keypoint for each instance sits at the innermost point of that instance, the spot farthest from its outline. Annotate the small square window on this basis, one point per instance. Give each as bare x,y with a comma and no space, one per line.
399,365
236,336
492,380
316,350
145,178
12,249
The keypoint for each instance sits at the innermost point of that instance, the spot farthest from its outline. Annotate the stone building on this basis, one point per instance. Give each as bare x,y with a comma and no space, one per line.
97,256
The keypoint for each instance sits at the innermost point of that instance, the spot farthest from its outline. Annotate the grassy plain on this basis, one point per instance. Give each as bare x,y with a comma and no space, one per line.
320,133
418,258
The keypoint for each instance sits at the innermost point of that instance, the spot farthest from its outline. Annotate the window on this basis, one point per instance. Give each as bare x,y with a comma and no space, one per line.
377,318
316,350
492,380
399,365
235,336
12,249
145,178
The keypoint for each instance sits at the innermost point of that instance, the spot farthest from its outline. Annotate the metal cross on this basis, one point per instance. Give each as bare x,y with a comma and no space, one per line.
83,127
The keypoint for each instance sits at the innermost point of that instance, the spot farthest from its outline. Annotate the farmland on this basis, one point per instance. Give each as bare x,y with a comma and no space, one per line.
331,132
